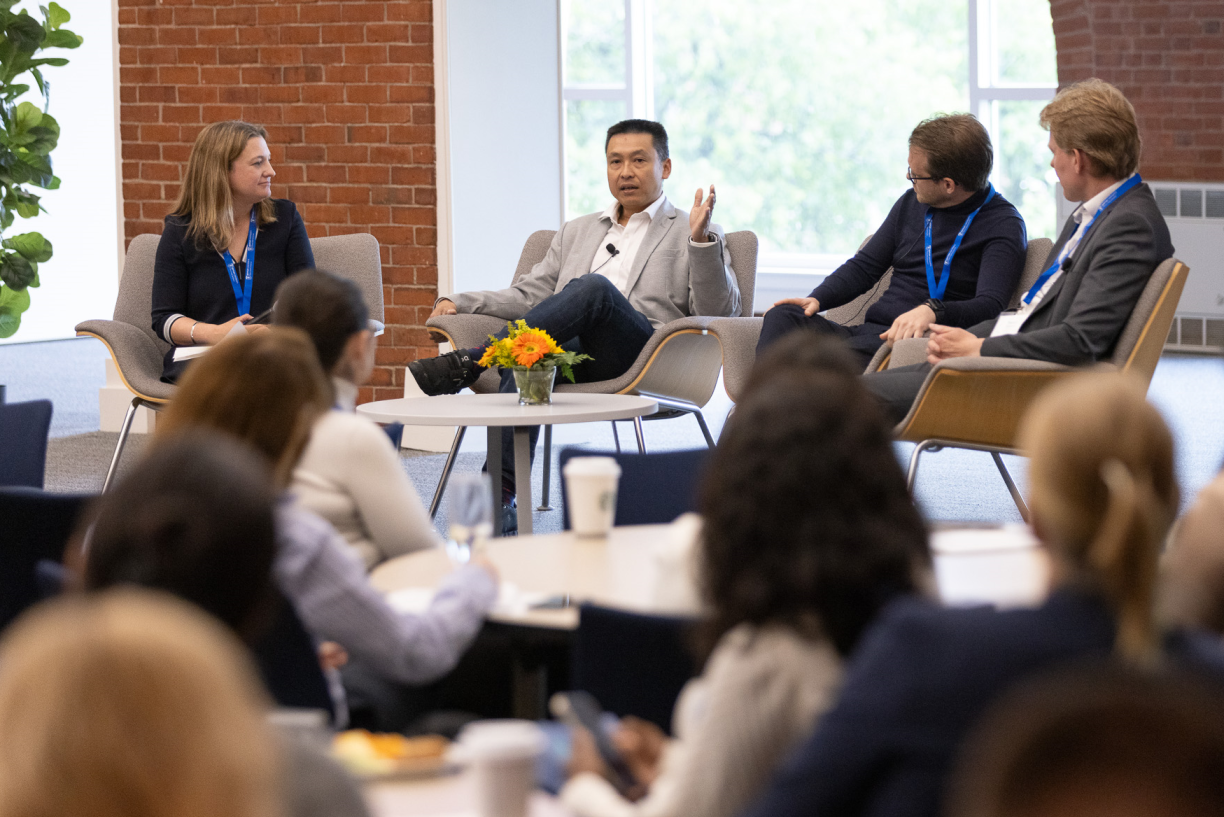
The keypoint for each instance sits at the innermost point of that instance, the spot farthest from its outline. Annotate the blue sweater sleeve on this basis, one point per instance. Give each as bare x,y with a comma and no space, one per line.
865,269
169,275
298,255
998,274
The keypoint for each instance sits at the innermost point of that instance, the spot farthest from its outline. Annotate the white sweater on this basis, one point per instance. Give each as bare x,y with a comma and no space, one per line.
761,692
351,476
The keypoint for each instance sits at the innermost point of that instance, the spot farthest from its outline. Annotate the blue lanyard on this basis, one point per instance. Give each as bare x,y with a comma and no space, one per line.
242,291
937,288
1045,276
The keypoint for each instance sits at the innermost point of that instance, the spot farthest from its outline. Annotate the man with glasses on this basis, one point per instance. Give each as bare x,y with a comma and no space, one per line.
956,248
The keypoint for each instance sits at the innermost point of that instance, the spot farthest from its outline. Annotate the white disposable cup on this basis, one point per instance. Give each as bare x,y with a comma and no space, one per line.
590,484
502,755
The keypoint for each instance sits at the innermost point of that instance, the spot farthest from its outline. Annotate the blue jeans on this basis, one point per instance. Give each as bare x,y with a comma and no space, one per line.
590,316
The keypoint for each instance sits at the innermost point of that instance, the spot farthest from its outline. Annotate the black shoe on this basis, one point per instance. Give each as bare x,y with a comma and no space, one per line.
445,374
509,512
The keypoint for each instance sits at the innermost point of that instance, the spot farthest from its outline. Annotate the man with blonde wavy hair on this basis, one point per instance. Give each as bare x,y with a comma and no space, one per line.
1097,269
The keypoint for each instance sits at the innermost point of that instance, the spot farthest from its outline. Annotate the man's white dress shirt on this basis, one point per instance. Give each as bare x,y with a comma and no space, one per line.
627,239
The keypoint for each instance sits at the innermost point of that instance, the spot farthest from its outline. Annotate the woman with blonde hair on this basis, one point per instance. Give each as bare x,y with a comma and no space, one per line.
227,244
1103,495
131,703
268,390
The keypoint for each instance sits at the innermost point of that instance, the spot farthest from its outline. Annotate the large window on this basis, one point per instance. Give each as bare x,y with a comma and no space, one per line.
800,112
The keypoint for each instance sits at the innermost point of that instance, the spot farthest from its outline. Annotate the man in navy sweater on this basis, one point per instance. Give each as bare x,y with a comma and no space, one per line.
955,245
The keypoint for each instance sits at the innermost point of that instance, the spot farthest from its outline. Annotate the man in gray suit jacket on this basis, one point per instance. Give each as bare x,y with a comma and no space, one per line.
609,279
1096,271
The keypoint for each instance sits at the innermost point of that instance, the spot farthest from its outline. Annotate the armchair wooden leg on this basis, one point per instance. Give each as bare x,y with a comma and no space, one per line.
446,471
1011,486
544,506
124,430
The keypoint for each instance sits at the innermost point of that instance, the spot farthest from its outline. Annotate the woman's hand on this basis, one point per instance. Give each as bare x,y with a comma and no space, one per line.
188,332
584,757
641,744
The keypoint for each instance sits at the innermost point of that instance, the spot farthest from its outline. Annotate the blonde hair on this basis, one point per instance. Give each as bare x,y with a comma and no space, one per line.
1192,592
1103,493
205,197
1094,116
266,388
131,704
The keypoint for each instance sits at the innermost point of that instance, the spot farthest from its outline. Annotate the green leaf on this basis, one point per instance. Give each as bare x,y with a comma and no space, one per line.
31,246
60,39
16,272
25,33
26,116
56,15
12,303
37,282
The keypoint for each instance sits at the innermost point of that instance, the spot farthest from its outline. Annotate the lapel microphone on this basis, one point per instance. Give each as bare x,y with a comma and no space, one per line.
613,252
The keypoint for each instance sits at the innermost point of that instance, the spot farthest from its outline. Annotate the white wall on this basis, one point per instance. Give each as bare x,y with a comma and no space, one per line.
503,109
82,278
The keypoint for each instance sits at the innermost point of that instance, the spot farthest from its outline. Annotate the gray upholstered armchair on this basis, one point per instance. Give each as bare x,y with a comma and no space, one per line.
137,351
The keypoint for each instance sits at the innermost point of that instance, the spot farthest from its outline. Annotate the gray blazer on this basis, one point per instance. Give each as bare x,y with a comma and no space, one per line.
670,278
1081,317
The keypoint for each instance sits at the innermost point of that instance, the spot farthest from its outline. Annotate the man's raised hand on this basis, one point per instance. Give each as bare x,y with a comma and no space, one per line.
949,341
700,215
443,307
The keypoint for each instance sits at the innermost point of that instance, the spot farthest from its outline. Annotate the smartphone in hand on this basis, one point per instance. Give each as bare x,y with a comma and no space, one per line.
578,708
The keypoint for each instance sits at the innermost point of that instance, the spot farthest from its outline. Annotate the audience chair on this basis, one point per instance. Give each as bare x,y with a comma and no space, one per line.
633,664
739,336
137,351
23,457
288,663
654,488
37,526
977,402
678,367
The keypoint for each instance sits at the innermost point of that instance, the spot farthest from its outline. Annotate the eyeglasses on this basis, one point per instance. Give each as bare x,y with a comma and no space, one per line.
909,175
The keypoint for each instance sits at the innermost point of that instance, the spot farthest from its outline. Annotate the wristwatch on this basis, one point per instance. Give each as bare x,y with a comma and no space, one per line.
937,307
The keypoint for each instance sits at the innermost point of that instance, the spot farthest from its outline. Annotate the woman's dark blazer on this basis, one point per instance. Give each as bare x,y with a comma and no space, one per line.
191,280
922,677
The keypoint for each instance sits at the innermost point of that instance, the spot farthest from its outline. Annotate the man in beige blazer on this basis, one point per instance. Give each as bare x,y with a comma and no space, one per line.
609,279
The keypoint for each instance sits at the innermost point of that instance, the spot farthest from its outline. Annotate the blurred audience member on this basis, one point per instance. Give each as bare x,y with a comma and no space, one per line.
1096,743
268,391
350,474
808,531
1192,592
131,703
1103,494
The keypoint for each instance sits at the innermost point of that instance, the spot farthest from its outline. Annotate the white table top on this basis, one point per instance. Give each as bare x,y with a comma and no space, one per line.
1002,566
504,409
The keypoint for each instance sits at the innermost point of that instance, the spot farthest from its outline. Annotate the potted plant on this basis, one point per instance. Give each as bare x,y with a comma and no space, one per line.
534,357
28,134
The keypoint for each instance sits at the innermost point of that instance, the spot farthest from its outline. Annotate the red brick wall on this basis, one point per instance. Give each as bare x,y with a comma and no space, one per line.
1168,58
345,89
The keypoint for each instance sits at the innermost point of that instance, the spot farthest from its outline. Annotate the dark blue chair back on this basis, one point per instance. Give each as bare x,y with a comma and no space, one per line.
654,488
288,662
633,664
36,526
23,456
394,431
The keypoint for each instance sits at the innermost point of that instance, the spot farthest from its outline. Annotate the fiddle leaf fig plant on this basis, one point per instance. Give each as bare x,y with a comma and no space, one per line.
28,134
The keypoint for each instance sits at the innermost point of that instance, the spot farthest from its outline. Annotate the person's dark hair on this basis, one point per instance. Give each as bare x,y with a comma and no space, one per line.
807,520
657,132
194,518
1107,736
328,308
957,148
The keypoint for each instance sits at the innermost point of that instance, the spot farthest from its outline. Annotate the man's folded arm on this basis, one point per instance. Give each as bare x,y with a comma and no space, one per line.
1104,301
713,287
514,301
1001,267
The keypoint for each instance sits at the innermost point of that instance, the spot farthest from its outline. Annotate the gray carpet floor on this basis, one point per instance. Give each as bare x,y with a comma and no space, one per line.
952,485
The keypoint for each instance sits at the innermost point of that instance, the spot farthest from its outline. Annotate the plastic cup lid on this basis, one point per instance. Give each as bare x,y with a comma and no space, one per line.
501,739
592,466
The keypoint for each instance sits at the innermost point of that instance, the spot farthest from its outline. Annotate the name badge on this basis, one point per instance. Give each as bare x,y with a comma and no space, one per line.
1009,323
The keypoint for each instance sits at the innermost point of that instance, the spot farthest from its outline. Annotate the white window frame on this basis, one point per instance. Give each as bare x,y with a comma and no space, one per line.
983,37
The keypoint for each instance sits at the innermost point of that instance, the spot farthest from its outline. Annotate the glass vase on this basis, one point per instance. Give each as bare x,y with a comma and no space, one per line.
535,385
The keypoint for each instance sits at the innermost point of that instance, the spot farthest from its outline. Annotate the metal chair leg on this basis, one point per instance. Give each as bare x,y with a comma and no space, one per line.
124,430
912,473
615,437
544,506
704,428
1011,486
446,471
641,439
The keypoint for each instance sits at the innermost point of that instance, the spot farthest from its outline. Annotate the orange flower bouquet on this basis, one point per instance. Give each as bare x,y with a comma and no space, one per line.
534,357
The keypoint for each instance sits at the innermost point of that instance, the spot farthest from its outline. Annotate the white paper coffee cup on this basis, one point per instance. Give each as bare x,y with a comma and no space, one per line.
502,755
590,485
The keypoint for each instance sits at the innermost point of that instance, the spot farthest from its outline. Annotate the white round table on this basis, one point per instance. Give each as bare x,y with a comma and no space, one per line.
497,411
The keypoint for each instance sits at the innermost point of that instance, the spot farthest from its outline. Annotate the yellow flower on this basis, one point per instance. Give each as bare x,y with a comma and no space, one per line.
489,357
